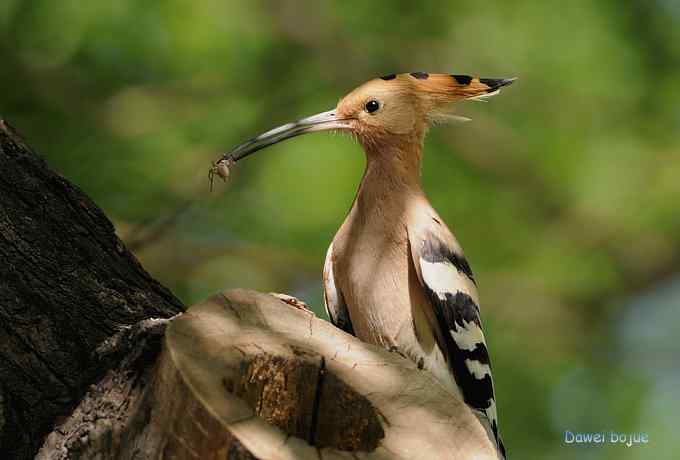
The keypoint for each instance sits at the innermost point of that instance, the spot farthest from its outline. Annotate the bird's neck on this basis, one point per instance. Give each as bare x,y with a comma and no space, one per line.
392,176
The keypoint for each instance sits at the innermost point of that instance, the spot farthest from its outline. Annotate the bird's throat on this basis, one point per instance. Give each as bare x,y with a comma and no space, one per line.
391,180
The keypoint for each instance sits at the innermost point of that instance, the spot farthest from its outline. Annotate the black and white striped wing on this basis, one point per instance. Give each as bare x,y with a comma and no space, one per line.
450,287
335,304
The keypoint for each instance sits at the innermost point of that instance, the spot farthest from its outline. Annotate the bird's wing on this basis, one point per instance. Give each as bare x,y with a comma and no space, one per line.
450,287
335,304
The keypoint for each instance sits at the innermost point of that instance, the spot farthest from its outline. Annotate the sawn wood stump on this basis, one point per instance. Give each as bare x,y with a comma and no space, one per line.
244,375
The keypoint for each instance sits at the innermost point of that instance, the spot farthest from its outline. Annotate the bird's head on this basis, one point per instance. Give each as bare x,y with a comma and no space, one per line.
385,110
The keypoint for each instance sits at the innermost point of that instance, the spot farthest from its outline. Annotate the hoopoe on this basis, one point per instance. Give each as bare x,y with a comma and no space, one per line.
394,274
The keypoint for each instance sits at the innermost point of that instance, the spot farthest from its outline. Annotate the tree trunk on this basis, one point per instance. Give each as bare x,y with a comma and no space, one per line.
67,284
87,346
246,376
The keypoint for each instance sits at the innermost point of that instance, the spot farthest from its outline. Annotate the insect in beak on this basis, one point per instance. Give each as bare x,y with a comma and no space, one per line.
220,168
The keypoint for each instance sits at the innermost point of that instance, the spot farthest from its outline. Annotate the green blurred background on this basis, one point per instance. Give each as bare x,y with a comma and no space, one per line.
563,190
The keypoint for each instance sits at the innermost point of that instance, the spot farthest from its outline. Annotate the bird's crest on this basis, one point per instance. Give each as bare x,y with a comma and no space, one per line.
449,88
439,90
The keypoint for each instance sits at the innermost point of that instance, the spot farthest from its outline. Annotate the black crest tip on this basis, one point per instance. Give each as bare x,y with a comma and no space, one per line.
495,83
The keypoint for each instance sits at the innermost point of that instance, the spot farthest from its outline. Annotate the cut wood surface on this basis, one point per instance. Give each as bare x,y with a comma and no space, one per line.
245,376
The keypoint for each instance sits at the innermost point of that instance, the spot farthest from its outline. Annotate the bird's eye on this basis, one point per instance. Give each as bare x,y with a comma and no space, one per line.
372,106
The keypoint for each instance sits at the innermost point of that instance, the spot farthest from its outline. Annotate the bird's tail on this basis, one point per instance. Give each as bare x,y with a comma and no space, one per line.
501,448
488,419
499,442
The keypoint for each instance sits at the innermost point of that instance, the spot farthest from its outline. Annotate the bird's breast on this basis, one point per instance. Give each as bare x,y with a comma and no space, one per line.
375,272
371,269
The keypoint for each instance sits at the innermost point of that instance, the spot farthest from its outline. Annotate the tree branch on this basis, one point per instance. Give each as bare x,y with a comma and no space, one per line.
67,283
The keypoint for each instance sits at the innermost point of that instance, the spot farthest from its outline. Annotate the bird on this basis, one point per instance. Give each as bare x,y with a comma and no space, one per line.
394,274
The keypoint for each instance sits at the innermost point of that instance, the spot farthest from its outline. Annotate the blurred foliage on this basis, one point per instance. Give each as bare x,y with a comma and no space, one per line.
562,190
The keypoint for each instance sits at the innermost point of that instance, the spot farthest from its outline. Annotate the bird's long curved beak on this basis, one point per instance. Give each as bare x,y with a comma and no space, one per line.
325,121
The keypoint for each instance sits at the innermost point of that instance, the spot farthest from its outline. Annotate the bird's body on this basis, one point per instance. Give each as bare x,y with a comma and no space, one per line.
385,303
394,275
374,282
373,269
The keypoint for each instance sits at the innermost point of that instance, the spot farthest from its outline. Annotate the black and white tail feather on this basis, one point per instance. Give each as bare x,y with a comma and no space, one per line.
450,286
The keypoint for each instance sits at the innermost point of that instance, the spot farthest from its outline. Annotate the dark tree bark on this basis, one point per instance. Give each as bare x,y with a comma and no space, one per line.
67,284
